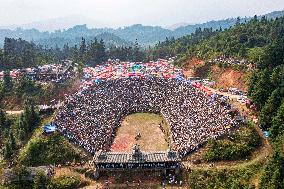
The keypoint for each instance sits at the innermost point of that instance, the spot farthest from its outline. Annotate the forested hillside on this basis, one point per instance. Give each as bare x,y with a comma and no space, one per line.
18,53
173,47
245,40
242,41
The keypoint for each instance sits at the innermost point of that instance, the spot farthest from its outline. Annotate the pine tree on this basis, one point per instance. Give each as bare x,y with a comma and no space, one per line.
277,127
3,120
12,140
238,22
82,49
262,89
22,128
30,116
101,52
270,109
7,152
273,175
137,54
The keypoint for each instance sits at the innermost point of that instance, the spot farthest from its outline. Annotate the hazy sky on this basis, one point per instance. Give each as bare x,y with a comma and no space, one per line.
127,12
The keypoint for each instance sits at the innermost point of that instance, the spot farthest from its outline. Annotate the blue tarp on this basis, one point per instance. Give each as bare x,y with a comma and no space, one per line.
98,81
180,78
49,128
188,82
266,134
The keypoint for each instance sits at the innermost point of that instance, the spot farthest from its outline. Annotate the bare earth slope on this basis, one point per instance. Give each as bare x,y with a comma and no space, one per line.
224,77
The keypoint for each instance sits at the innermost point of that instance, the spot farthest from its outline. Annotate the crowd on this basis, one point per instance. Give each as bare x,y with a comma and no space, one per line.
229,60
90,117
113,70
55,73
233,61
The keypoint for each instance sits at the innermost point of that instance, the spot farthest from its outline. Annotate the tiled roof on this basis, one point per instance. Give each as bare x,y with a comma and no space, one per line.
149,157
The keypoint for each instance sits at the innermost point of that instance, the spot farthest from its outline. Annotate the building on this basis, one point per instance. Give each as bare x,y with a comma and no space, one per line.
28,174
137,160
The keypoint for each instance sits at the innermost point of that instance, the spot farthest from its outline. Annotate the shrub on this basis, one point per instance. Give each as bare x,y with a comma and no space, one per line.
41,181
65,182
237,146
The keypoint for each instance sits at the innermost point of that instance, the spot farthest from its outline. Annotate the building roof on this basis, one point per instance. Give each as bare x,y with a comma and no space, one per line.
136,157
9,175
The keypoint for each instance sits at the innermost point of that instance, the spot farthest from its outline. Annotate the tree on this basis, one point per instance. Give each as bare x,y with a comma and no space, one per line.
270,108
273,176
1,59
263,19
26,86
3,120
30,117
262,89
7,82
101,52
138,55
275,53
21,172
238,22
80,68
65,51
23,127
41,181
82,49
96,52
12,140
74,54
255,18
7,151
277,127
256,55
19,53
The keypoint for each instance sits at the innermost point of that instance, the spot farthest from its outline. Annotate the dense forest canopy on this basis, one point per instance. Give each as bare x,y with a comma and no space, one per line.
18,53
248,40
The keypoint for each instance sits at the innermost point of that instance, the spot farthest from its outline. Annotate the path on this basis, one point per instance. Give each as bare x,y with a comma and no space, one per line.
16,112
40,107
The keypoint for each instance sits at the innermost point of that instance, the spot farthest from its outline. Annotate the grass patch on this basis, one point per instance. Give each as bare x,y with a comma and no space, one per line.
225,178
148,125
66,182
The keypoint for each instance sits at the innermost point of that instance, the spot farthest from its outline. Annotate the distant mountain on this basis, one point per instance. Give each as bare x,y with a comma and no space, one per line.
109,39
227,23
175,26
113,40
274,14
185,30
145,35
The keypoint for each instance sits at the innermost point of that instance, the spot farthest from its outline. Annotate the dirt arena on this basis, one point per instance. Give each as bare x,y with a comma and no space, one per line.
153,138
